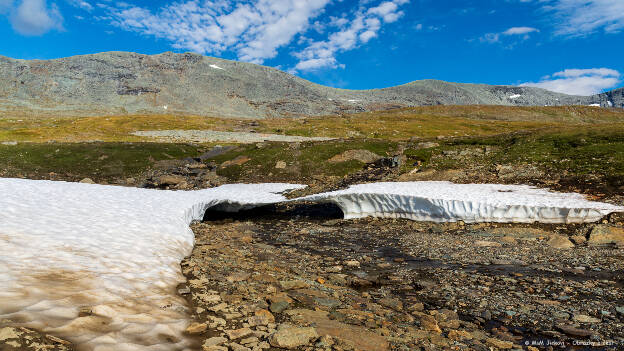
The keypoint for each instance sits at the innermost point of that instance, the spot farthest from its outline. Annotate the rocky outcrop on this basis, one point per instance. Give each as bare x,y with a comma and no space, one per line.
123,82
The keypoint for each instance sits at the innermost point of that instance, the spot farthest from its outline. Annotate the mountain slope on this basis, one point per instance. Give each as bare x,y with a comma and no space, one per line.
122,82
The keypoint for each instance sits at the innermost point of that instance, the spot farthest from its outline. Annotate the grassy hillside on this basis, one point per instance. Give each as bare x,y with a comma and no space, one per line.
401,124
573,148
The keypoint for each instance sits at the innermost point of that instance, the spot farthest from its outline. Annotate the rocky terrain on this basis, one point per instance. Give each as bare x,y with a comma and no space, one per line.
298,277
122,82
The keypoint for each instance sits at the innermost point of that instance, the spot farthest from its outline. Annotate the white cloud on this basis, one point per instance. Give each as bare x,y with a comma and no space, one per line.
513,31
82,4
254,30
579,81
387,10
520,30
364,26
582,17
34,17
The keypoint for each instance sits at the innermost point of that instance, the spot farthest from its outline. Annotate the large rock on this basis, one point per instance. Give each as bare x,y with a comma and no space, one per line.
291,337
359,337
363,156
170,180
560,242
605,235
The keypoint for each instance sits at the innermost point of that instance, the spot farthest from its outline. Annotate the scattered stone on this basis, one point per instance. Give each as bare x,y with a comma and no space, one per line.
352,263
293,284
261,317
214,341
8,333
196,328
395,304
238,333
581,318
485,243
279,306
560,242
290,337
214,348
570,330
170,180
499,344
58,340
604,235
87,181
280,165
240,160
429,323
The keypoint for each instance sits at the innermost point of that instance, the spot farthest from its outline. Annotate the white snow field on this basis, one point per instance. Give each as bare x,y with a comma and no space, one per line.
114,250
70,248
449,202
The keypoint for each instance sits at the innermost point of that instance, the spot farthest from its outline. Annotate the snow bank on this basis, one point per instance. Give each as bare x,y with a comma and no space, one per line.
215,67
448,202
113,250
515,96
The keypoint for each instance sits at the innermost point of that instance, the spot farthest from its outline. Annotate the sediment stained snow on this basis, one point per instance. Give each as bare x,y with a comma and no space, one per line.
114,250
448,202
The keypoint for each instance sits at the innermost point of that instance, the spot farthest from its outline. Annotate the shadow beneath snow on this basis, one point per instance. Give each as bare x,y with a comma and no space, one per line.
294,211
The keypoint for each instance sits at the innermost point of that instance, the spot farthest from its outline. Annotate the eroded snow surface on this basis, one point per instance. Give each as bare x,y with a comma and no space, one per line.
444,202
113,250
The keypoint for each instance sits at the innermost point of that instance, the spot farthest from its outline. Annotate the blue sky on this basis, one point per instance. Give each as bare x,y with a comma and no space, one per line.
572,46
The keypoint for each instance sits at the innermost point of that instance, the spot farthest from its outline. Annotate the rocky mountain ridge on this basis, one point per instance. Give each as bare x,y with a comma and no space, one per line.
123,82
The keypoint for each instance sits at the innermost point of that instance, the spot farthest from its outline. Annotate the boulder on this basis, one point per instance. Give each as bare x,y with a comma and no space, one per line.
170,180
361,155
290,337
604,235
560,242
240,160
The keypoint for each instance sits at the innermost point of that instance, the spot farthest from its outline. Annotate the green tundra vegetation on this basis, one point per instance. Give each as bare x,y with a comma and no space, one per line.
572,140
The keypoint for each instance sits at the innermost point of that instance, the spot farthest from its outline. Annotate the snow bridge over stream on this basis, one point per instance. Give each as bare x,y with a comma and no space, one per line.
117,250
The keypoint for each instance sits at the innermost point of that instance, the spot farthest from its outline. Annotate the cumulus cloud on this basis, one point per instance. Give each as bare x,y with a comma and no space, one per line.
254,30
582,17
360,29
579,81
35,17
